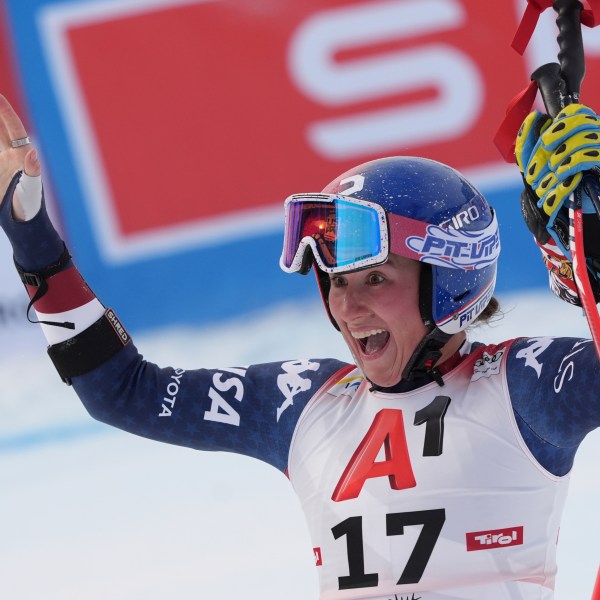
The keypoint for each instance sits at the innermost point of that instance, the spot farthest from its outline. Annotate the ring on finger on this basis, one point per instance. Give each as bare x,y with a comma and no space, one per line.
20,142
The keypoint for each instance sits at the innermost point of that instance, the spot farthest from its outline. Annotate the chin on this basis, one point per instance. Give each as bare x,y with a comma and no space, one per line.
382,380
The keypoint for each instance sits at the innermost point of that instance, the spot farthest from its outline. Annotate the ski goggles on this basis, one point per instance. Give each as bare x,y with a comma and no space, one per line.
347,234
344,233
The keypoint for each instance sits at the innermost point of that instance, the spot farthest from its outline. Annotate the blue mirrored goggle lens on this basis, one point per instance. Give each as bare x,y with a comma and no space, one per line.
343,232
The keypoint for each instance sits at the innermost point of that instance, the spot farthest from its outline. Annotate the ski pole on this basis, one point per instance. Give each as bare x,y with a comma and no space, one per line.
560,85
596,592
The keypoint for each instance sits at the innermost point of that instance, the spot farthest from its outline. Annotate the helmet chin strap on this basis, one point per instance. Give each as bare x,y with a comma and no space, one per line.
421,364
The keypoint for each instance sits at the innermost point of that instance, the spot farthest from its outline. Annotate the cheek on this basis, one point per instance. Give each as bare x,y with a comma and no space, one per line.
403,300
334,302
404,315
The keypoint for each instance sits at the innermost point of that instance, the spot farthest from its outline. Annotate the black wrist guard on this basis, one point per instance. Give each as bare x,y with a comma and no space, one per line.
89,349
535,218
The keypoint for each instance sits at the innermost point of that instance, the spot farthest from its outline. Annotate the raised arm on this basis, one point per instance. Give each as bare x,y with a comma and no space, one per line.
248,410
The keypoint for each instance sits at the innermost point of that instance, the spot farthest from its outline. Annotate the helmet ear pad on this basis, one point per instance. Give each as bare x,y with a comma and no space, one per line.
458,297
426,296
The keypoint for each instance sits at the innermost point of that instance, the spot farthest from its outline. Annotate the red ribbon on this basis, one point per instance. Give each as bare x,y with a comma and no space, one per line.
590,17
528,23
519,107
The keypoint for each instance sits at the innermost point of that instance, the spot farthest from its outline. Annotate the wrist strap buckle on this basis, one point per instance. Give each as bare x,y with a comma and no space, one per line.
39,280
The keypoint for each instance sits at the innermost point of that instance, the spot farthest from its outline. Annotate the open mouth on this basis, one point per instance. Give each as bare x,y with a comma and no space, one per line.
372,341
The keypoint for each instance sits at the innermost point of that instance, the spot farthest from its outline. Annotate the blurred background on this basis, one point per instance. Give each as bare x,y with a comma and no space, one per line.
170,132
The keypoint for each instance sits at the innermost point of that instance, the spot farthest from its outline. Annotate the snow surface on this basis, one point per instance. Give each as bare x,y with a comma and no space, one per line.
88,512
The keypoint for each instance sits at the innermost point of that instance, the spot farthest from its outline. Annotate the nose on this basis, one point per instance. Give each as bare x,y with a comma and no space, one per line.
353,305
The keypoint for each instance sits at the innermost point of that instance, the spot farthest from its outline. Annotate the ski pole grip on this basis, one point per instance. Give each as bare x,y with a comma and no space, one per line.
559,84
552,87
570,44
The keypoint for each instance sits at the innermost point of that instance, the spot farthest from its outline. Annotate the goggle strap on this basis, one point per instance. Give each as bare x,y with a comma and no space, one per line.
403,228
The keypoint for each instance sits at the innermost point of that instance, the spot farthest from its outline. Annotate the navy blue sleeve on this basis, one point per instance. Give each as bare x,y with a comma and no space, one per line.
554,386
35,243
247,410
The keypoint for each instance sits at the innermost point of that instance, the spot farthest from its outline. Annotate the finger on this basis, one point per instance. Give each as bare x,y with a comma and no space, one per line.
582,160
554,198
4,136
13,125
584,140
537,167
32,164
561,129
524,142
528,136
547,183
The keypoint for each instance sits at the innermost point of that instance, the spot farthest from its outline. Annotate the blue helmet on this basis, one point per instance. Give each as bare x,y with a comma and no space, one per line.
458,247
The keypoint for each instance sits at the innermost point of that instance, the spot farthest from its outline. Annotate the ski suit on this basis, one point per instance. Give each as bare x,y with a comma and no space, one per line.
421,492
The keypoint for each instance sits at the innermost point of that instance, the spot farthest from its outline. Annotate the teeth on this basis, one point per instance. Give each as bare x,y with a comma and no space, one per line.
359,335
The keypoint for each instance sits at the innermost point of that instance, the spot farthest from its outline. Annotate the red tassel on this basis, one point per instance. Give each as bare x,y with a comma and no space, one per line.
520,106
528,23
590,15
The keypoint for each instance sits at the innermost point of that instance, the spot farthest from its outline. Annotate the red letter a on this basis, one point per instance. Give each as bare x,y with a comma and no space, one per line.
387,430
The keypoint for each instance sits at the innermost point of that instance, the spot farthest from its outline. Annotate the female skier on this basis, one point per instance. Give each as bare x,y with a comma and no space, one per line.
435,467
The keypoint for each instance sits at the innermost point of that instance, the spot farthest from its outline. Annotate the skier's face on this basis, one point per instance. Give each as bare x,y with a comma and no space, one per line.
377,311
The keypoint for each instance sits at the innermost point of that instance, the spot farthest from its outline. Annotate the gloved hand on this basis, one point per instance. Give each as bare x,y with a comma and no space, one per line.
552,156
